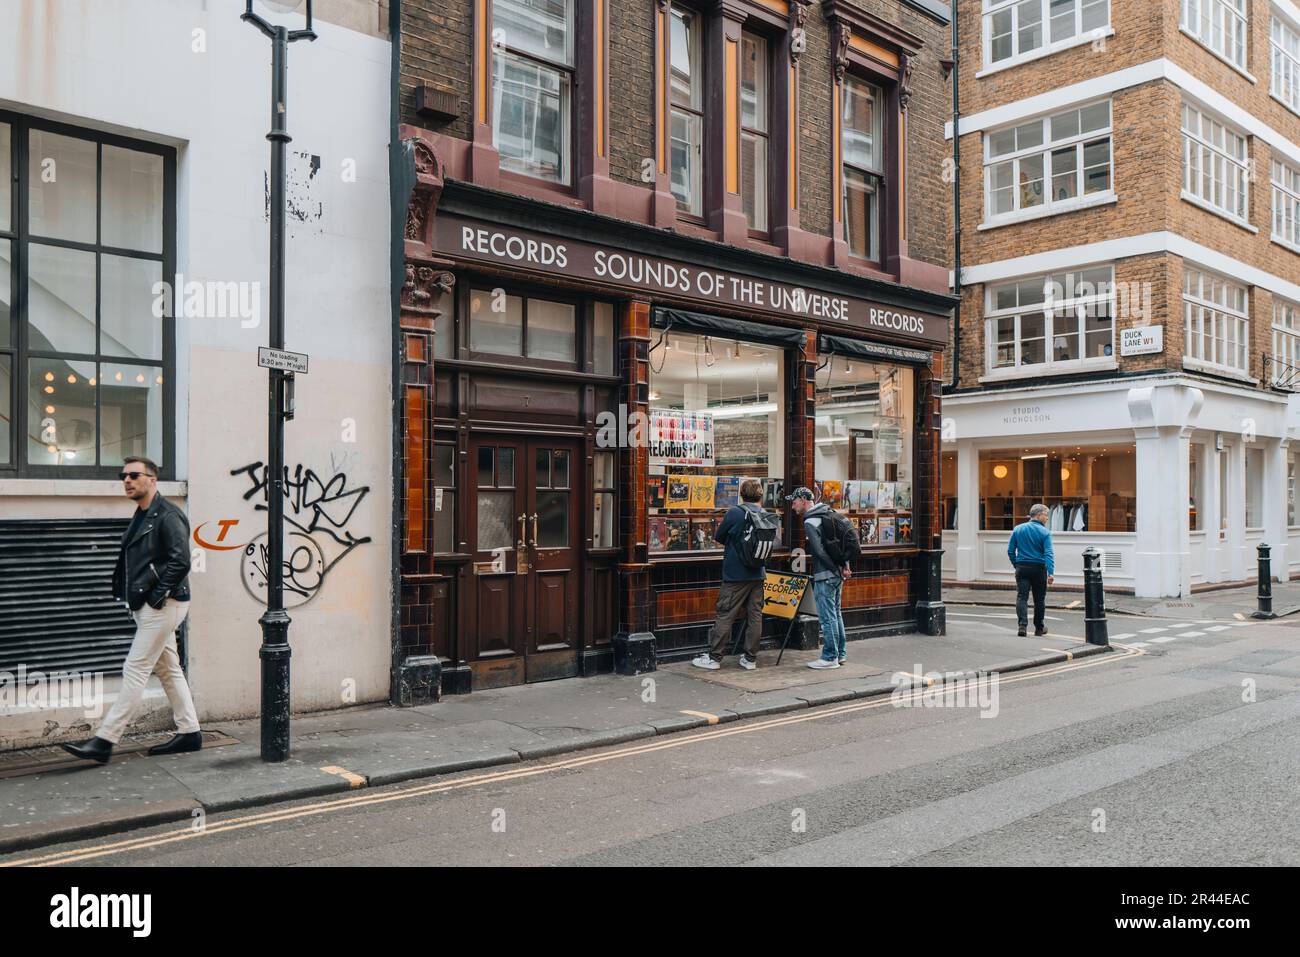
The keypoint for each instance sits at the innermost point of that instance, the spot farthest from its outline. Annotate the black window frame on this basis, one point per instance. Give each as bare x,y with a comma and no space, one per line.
18,350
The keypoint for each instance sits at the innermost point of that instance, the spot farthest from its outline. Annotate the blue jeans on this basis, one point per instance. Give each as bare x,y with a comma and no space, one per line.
827,594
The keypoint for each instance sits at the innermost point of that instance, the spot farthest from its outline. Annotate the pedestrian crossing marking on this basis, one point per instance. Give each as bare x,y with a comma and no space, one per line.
1192,634
1138,644
711,718
1073,604
1238,615
1183,624
1241,624
1161,641
1218,628
1122,637
1153,631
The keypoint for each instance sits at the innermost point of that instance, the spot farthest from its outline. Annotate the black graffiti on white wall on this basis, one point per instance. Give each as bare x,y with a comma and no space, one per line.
319,511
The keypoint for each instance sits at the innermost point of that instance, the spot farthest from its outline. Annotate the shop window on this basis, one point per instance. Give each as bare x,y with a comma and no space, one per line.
1195,475
1216,165
686,91
948,489
530,328
603,485
1285,70
602,339
1052,323
532,83
1220,25
1291,515
1217,322
864,167
1049,164
717,417
754,111
863,446
1022,29
84,363
1286,204
1254,488
444,498
1086,488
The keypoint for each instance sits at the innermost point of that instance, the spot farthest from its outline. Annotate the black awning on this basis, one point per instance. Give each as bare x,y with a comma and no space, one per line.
841,345
683,320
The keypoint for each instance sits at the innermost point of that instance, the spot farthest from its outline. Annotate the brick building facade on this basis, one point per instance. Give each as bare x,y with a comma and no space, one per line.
1130,281
713,219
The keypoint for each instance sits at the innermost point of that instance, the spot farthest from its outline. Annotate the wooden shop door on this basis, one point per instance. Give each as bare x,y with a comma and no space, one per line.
525,537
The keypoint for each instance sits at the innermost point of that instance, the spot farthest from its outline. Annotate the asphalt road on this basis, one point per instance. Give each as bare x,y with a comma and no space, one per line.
1179,752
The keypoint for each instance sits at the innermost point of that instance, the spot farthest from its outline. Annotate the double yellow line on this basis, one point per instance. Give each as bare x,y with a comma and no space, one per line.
512,774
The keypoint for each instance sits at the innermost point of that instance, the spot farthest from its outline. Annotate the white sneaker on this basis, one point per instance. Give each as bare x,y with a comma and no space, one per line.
748,663
842,660
823,663
705,662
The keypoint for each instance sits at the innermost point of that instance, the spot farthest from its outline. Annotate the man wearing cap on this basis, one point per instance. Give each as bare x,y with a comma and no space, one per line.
828,578
1030,551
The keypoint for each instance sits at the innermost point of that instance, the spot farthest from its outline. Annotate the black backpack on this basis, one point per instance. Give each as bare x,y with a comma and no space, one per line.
758,537
840,538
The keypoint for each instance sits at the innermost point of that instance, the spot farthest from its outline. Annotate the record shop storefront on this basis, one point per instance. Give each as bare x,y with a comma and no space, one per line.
580,399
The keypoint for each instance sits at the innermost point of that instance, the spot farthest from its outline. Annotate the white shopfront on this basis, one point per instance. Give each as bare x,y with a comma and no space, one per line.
1175,479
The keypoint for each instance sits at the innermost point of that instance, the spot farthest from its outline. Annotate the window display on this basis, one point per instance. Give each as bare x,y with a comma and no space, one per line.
717,417
1085,488
864,446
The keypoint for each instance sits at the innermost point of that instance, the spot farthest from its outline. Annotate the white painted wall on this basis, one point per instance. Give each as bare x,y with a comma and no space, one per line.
189,73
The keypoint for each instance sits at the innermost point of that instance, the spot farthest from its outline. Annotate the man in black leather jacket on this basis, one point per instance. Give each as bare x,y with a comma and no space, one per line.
151,577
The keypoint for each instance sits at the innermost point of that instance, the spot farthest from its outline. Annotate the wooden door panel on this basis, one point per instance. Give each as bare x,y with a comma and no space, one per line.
496,607
553,618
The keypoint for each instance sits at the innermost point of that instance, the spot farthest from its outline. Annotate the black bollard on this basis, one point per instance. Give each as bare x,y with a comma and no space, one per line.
1094,601
1265,597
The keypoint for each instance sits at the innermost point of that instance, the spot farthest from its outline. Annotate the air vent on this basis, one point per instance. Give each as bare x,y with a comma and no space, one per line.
57,611
1112,560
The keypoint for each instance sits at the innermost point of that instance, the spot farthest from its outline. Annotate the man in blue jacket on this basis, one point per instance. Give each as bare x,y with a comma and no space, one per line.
1030,551
742,587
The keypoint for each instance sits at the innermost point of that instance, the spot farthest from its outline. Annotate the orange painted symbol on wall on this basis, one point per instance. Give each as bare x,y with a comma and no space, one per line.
226,524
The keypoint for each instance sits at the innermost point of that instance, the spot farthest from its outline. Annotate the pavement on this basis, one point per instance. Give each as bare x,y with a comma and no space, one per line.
47,797
1207,603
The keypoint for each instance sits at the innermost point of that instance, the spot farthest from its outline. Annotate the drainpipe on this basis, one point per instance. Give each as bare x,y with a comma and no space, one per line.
956,203
399,188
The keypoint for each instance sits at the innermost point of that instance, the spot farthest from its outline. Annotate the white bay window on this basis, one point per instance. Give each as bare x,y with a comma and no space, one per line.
1217,321
1216,165
1284,69
1220,25
1017,30
1286,204
1053,323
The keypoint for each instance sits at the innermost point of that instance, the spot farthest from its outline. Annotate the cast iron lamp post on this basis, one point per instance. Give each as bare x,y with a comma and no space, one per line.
275,622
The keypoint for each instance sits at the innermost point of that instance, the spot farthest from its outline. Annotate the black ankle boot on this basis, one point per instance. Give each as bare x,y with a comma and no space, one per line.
96,749
179,744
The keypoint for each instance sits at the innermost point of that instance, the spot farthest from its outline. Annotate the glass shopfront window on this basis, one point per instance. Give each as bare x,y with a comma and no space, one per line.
948,490
717,417
1254,488
1087,488
863,457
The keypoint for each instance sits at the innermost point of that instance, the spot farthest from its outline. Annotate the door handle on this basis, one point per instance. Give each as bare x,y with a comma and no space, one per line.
534,529
523,535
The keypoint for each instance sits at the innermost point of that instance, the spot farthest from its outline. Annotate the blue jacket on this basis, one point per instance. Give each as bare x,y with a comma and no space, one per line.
729,536
1031,543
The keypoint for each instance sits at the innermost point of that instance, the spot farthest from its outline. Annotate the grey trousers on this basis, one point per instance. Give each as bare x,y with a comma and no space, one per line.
736,599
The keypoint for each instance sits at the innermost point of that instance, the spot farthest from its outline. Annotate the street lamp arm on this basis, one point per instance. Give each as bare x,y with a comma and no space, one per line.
302,35
258,22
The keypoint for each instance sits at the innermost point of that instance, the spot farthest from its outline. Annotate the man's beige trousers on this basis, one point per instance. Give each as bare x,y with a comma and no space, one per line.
153,651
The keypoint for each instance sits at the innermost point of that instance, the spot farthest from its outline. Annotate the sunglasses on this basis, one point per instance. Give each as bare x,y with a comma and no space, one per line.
133,476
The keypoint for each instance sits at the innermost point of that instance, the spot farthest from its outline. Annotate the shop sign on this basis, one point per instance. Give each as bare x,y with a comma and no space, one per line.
1141,340
782,594
538,252
681,438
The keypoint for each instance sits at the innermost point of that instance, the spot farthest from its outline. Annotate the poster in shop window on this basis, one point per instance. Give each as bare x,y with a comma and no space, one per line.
889,440
681,438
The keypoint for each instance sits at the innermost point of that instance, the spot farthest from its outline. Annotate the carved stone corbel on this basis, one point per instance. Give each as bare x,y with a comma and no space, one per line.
798,37
841,33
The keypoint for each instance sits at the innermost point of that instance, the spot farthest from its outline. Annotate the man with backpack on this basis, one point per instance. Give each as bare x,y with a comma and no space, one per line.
832,542
748,535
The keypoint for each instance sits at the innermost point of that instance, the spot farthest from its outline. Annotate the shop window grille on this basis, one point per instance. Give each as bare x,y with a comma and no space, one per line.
57,611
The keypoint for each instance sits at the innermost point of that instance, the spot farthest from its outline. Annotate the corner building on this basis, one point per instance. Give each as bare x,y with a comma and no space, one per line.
1129,274
712,222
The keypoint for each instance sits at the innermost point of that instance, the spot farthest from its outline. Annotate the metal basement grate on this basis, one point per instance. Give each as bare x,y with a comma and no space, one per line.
57,611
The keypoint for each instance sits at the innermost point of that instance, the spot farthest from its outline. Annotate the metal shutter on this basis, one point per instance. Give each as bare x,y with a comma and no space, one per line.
57,612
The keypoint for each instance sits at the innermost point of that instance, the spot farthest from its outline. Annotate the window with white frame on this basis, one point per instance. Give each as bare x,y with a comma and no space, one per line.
1286,203
532,83
1016,29
1286,345
1217,321
1215,164
1220,25
1285,69
1053,322
1049,162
